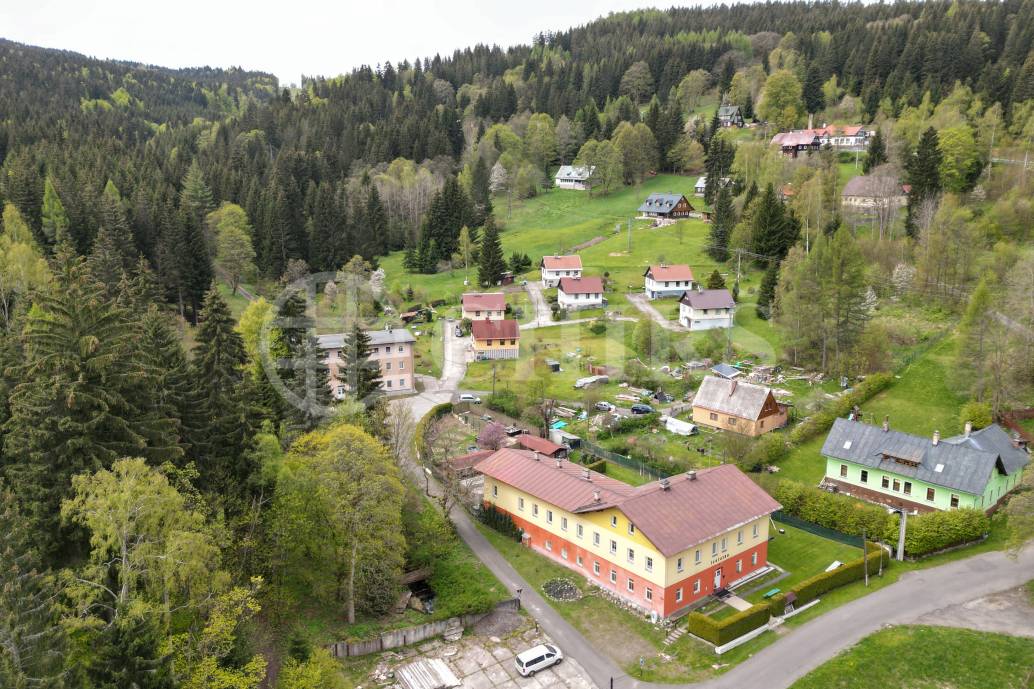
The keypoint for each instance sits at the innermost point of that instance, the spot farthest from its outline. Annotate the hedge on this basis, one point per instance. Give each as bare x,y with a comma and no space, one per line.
599,466
810,589
500,521
934,531
834,511
505,402
721,632
436,412
822,421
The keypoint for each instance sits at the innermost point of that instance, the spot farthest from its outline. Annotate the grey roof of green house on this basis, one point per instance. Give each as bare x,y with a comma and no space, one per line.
995,439
660,203
728,110
966,465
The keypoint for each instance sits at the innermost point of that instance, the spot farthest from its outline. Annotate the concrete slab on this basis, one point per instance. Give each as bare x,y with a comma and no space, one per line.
478,680
497,674
481,656
465,664
1007,612
738,603
502,653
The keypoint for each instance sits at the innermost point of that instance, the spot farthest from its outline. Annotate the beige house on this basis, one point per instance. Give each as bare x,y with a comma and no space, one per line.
392,349
478,306
742,408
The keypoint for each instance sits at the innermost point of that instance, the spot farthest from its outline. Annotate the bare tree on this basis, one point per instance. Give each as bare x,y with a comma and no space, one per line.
400,430
441,439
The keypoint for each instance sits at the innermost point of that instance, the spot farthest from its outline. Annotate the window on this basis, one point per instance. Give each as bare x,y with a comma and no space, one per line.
930,494
739,565
678,565
563,552
402,365
713,416
402,348
696,558
753,559
495,491
885,482
755,530
714,549
613,547
520,503
908,487
402,382
630,585
596,567
534,509
613,576
631,556
563,523
954,500
578,559
732,420
631,529
614,521
649,564
649,593
387,365
549,516
739,537
865,476
897,485
678,595
696,586
724,548
596,538
549,546
578,530
388,382
843,470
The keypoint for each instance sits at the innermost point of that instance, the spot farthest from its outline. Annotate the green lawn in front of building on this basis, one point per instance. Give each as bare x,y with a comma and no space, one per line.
803,555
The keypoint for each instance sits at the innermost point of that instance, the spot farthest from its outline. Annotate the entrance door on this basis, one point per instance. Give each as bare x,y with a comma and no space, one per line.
718,579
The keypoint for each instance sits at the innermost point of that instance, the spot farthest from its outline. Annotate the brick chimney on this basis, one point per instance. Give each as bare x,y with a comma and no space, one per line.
886,423
596,496
936,437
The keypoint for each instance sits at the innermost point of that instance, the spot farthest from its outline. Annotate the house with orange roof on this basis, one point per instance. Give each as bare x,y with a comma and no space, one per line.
476,306
661,547
552,268
667,281
495,339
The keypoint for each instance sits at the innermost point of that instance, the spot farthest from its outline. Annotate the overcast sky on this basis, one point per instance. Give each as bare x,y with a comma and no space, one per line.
288,37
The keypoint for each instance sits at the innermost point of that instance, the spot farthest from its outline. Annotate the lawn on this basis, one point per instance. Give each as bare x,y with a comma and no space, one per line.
921,657
429,351
803,555
236,302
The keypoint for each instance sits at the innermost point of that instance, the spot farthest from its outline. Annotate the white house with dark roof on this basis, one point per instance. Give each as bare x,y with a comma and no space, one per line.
574,177
667,281
706,309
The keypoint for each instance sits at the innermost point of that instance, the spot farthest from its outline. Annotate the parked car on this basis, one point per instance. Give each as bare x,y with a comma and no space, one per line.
467,397
604,406
642,409
538,658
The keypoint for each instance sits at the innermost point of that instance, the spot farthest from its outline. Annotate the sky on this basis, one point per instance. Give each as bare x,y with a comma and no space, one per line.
289,37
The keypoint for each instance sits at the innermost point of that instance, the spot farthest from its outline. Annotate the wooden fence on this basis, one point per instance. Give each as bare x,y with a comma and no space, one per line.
412,635
1011,420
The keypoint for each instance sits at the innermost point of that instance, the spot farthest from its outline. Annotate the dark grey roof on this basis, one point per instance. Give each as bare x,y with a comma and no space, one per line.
708,299
995,439
870,186
958,466
727,371
731,397
728,110
377,337
660,203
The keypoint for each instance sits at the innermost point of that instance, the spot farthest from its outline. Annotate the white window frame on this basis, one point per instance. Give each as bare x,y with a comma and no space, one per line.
679,565
696,586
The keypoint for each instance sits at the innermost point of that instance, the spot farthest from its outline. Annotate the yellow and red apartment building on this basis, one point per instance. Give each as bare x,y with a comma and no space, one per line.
661,547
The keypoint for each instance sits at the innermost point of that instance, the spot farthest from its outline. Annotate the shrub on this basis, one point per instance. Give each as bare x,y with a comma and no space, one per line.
629,423
976,413
599,466
810,589
822,420
494,518
933,531
599,326
721,632
768,449
505,402
833,511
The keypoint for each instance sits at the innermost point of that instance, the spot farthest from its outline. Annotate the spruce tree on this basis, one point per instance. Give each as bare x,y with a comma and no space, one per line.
491,265
722,222
766,292
877,153
715,280
480,192
362,374
308,378
814,99
773,231
53,214
923,173
196,196
375,221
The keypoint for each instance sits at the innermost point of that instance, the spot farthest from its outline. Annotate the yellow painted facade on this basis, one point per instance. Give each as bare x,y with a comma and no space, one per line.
496,348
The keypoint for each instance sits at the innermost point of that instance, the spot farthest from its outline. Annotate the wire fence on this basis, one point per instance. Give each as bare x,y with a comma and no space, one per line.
817,530
627,462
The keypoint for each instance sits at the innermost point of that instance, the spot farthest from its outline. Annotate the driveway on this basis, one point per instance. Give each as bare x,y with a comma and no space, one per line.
642,303
538,301
440,390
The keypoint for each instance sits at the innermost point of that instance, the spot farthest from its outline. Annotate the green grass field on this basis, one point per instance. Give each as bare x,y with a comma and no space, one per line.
803,555
928,658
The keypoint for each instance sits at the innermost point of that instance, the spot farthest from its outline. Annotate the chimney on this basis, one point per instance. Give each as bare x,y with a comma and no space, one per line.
596,495
811,119
692,474
969,429
936,437
1017,441
586,475
886,423
732,388
558,462
535,454
665,484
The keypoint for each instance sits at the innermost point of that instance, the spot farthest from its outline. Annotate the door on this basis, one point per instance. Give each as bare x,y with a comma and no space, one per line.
718,579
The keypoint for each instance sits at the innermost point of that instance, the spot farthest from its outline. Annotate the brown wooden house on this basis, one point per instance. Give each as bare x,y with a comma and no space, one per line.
669,206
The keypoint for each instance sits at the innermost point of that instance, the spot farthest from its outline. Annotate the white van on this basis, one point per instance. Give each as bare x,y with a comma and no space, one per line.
538,658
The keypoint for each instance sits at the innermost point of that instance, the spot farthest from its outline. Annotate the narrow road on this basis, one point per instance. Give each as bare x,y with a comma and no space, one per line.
538,301
573,321
642,303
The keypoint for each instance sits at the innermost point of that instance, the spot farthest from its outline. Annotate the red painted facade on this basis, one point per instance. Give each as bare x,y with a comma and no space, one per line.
664,599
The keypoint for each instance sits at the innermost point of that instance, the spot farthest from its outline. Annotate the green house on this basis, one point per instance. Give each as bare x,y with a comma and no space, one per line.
975,469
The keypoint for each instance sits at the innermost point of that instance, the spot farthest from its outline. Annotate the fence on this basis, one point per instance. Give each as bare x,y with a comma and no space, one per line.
412,635
634,464
1011,420
814,528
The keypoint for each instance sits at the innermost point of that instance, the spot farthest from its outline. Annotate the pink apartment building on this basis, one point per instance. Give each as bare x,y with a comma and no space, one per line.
392,349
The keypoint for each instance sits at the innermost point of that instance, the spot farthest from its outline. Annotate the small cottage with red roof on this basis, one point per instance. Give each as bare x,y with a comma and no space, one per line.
580,293
667,281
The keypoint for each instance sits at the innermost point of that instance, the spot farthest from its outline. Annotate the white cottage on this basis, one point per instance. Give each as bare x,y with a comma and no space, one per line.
574,177
667,281
580,293
706,309
552,268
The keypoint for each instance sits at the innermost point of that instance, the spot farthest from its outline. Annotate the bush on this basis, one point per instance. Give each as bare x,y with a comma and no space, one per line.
721,632
436,412
976,413
768,449
821,421
933,531
505,402
810,589
833,511
494,518
599,466
598,326
629,423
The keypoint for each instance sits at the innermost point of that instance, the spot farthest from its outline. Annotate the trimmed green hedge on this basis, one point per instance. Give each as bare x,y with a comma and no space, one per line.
933,531
600,465
436,412
721,632
810,589
500,521
834,511
822,421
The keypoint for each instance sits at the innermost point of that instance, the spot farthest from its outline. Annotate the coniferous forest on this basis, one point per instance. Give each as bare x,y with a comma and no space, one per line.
157,495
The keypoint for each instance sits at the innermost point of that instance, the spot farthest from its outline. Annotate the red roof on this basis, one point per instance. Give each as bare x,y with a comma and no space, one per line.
468,460
484,301
537,444
670,273
593,285
572,262
688,512
495,330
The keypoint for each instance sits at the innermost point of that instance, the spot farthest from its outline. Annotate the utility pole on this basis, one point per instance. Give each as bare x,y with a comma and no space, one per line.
493,378
865,561
739,259
630,235
901,536
991,153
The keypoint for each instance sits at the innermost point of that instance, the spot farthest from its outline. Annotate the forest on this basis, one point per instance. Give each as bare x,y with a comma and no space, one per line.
160,504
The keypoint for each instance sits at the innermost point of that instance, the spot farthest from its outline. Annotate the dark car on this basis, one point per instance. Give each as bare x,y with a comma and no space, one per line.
642,409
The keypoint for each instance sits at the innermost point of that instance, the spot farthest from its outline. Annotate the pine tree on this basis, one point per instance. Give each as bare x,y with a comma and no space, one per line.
773,231
114,253
722,223
766,292
196,196
923,173
715,280
491,265
308,379
363,375
53,214
877,153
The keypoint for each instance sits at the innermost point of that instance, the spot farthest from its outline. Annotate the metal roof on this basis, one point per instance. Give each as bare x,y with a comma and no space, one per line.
576,172
583,285
569,262
537,444
494,330
377,337
708,299
732,397
666,273
727,371
995,439
868,186
963,466
728,110
484,301
427,673
660,203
